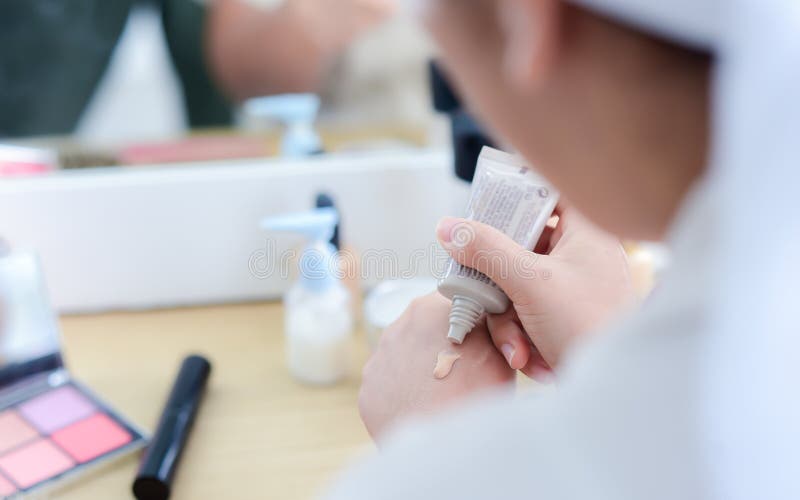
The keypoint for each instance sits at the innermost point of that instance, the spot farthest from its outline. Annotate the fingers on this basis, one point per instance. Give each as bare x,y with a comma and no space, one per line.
548,238
565,220
484,248
569,227
538,369
509,338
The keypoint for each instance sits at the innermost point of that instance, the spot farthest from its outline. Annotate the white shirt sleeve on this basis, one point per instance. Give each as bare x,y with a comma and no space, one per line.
621,426
626,422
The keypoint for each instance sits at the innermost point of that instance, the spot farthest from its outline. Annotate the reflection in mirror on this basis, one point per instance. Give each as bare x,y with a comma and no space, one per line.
95,83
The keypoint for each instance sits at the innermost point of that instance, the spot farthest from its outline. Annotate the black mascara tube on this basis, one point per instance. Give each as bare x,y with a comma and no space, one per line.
161,459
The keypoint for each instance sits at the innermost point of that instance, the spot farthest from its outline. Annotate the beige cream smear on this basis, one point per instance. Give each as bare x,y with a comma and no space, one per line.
444,363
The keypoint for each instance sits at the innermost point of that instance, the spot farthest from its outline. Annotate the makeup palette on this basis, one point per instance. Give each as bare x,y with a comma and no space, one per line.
52,428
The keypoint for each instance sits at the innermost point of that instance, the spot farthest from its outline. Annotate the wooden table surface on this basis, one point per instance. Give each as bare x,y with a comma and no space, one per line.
259,434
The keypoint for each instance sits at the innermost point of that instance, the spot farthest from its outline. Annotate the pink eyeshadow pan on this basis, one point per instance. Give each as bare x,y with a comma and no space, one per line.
35,462
92,437
14,431
56,409
6,488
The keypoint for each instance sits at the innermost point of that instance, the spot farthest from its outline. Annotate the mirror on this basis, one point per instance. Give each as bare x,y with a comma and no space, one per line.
91,83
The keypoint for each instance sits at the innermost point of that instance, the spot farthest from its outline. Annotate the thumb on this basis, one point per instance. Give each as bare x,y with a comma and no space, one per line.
493,253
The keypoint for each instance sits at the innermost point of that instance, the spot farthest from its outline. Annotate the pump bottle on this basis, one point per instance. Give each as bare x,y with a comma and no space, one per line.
297,112
318,313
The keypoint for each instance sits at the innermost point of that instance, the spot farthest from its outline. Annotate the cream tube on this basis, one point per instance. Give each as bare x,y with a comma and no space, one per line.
508,195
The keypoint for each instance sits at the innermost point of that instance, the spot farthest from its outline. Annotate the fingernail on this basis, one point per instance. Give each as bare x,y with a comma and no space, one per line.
543,376
508,351
444,230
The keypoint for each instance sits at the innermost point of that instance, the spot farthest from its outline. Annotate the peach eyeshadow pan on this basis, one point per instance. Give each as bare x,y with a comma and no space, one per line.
55,433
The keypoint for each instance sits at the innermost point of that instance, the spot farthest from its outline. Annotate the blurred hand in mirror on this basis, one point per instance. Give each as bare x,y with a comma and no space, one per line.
127,79
288,48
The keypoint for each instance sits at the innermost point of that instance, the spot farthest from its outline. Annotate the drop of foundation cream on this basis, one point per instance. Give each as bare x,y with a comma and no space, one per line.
444,363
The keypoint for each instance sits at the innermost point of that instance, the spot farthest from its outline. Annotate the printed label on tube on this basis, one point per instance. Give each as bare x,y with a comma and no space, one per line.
507,195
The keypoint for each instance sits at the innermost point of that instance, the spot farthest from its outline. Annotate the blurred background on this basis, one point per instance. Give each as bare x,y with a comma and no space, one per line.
159,132
127,82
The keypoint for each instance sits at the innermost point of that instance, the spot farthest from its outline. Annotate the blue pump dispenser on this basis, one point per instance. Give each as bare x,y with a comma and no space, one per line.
297,112
318,264
317,307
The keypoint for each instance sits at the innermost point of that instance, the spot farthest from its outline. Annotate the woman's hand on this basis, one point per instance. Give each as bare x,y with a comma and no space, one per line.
398,380
576,282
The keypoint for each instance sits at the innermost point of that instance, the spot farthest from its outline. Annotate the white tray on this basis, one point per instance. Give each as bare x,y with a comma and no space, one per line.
149,237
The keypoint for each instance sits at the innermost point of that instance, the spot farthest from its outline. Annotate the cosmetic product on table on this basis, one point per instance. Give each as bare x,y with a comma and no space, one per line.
52,428
324,200
349,265
319,319
388,300
162,457
16,161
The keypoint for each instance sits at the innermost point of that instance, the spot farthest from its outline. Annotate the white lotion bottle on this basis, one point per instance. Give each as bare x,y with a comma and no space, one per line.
318,312
507,195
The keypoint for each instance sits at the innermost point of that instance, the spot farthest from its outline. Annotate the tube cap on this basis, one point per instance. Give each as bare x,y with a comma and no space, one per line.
464,315
457,333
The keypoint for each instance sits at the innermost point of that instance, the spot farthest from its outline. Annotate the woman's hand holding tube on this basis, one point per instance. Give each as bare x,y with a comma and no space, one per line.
576,279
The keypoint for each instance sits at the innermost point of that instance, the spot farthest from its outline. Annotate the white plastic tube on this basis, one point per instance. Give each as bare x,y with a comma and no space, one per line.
508,195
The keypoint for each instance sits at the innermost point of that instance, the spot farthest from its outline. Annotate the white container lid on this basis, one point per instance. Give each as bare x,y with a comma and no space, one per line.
387,302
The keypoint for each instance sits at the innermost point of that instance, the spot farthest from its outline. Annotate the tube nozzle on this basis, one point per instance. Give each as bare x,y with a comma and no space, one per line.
464,315
457,333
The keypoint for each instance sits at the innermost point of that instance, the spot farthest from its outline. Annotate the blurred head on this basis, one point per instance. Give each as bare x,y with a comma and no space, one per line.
616,118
